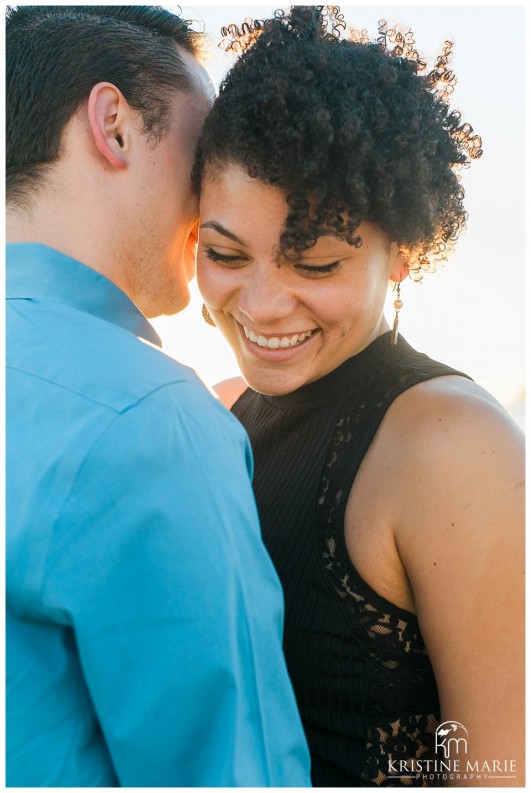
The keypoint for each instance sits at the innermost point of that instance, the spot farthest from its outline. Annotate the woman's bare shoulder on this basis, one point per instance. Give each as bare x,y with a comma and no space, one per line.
230,390
459,485
458,461
450,410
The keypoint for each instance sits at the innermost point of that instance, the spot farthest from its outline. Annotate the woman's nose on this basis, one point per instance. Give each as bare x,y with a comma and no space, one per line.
265,296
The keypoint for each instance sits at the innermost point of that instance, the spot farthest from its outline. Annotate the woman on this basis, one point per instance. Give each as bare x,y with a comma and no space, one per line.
389,486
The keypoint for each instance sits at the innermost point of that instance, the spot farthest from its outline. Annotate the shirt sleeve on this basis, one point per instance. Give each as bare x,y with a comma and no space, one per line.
160,569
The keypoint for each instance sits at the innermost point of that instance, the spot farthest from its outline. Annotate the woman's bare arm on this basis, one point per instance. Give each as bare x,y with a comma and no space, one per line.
230,390
460,535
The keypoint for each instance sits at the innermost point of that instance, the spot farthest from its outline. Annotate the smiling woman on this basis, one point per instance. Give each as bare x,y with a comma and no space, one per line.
329,169
472,284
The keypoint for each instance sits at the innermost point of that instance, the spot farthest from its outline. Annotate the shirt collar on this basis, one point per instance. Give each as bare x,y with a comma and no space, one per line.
35,271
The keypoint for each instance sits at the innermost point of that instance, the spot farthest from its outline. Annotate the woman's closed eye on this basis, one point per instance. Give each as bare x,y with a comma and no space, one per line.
239,259
224,258
321,269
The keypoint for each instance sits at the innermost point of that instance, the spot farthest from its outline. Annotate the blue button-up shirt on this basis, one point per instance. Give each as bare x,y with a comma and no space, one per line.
144,617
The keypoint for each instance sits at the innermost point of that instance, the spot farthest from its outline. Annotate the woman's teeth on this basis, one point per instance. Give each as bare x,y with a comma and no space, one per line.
275,342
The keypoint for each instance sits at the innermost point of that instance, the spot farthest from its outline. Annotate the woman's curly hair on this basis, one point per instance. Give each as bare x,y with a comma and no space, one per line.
349,129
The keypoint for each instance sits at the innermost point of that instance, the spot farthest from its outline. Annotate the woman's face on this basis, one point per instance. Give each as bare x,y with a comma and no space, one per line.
289,323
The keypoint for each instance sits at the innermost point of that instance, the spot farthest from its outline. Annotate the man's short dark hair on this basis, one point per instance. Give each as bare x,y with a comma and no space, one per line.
56,54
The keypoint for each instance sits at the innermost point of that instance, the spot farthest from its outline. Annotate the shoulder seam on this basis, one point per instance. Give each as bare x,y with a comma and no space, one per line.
158,388
110,408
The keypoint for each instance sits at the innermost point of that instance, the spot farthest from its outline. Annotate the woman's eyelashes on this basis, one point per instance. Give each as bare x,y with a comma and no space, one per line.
223,258
321,269
239,259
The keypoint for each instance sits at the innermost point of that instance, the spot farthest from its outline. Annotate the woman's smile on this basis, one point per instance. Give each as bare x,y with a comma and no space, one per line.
277,346
274,342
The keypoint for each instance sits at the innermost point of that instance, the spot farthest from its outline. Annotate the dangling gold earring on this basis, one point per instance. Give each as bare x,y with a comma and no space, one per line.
398,306
206,316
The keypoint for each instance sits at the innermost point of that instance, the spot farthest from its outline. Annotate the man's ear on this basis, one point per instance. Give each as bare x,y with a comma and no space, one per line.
109,118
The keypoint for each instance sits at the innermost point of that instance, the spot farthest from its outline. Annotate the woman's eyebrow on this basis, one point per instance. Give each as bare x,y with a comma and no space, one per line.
211,224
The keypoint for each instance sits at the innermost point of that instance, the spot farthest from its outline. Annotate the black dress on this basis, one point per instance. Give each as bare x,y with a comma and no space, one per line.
363,681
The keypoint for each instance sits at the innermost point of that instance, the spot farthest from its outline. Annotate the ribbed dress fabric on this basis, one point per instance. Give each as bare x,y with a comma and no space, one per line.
363,681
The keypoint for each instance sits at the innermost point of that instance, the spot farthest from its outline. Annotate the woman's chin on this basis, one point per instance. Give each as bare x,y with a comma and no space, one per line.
272,383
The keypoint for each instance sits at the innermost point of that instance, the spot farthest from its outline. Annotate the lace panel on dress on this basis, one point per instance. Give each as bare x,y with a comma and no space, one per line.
401,707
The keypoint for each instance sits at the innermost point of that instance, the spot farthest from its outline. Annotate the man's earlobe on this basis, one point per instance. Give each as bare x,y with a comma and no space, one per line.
106,115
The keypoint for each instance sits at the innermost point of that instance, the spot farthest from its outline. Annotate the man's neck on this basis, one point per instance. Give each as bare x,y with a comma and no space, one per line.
44,222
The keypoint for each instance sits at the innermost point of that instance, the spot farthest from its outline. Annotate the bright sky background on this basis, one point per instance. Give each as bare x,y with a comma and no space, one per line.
471,313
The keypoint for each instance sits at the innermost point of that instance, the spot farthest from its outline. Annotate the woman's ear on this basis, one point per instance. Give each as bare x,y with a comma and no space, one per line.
108,117
399,268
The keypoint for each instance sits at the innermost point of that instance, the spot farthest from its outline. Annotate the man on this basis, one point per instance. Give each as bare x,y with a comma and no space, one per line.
143,614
